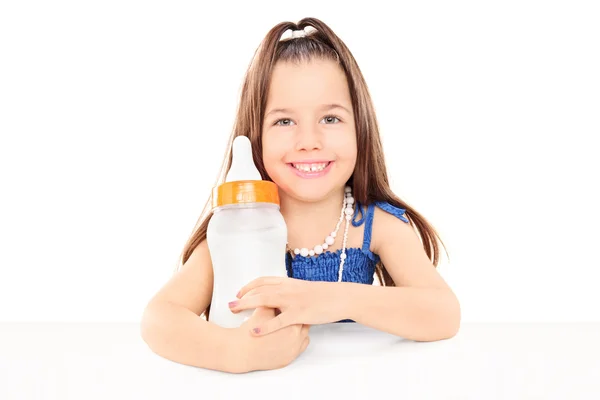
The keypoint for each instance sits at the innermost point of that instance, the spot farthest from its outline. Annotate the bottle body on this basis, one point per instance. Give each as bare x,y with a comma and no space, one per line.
246,241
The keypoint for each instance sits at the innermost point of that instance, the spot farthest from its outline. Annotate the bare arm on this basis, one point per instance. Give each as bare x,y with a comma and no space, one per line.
414,313
422,307
171,324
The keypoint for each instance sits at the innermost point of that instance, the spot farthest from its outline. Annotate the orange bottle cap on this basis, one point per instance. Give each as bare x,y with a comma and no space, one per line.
245,192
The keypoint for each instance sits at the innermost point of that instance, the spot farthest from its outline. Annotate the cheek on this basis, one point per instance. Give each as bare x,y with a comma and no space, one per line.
346,150
273,153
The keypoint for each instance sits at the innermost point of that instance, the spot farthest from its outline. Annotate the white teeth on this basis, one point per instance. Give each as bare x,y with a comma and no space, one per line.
311,167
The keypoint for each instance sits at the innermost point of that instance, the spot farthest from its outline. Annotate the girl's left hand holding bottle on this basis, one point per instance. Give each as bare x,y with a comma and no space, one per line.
251,353
299,302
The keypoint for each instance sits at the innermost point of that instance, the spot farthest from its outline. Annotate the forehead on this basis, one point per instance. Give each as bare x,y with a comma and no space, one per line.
308,84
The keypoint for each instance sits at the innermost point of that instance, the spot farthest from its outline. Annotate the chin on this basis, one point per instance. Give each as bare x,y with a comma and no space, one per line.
309,194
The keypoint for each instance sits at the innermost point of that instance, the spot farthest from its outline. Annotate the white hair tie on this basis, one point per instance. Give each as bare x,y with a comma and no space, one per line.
297,34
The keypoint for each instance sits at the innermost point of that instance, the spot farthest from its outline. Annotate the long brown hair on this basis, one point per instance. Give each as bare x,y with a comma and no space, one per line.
369,180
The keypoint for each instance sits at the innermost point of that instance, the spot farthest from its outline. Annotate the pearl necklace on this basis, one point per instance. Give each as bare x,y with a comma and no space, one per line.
346,213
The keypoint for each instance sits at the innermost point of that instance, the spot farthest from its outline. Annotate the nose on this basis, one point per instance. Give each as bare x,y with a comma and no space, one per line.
308,139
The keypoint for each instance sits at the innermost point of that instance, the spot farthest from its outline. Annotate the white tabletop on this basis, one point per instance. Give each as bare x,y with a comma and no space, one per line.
484,361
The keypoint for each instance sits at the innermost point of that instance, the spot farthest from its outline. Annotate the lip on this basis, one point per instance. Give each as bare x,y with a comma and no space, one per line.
311,175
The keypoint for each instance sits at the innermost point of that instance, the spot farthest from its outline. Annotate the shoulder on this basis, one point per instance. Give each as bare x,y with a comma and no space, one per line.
390,225
401,250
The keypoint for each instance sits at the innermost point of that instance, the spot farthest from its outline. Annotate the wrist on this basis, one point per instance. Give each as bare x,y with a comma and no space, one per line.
339,299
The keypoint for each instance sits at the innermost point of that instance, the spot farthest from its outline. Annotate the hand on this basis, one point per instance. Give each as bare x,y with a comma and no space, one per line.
300,302
269,352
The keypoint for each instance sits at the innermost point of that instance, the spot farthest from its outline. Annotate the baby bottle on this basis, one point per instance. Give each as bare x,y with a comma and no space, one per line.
246,235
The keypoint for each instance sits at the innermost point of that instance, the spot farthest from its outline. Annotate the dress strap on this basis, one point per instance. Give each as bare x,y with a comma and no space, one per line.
366,247
358,209
367,219
385,206
390,209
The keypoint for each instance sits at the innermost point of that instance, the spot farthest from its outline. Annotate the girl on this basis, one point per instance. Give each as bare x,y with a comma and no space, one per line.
307,112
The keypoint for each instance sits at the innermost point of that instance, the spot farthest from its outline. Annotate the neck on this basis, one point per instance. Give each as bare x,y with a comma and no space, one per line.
310,222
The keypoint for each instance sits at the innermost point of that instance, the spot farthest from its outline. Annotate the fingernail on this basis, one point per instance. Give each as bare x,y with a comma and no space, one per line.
233,304
256,330
238,295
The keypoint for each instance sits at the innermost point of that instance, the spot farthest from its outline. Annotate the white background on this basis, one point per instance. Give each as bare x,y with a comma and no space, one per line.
114,117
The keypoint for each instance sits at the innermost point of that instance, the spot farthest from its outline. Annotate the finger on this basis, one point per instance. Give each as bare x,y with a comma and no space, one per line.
234,306
265,280
272,325
263,312
258,290
269,300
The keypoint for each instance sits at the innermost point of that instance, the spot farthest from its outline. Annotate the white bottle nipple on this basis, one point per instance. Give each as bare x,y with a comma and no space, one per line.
242,163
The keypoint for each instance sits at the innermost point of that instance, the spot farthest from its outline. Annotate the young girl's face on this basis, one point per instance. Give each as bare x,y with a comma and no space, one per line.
309,137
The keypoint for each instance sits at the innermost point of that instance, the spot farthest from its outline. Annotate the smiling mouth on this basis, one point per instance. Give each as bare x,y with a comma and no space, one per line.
311,167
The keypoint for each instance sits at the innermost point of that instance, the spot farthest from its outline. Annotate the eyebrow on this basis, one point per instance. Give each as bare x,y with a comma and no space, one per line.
324,107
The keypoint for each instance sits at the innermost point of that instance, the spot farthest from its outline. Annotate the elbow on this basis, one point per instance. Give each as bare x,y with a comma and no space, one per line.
450,329
150,327
450,319
443,322
146,328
